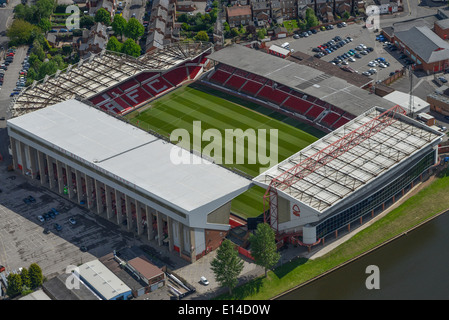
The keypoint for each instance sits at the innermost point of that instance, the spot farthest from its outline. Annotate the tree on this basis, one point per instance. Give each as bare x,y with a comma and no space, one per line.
14,285
131,48
47,68
114,45
119,25
25,12
38,50
202,36
263,247
103,16
134,29
261,33
346,15
311,19
234,32
36,277
87,21
44,24
25,276
44,9
227,265
22,32
251,29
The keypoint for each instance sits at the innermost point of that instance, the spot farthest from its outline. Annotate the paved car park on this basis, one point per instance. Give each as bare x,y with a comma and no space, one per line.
25,239
359,36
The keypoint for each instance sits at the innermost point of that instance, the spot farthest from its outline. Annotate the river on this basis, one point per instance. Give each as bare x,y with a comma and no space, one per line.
415,266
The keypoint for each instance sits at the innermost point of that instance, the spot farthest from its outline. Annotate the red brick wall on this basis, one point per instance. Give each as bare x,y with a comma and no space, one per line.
442,33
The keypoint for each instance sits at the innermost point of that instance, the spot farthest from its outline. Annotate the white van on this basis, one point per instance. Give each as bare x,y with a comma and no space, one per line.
285,45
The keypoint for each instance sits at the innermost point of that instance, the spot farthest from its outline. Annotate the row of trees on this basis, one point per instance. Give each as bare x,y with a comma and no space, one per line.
131,29
25,282
199,26
227,265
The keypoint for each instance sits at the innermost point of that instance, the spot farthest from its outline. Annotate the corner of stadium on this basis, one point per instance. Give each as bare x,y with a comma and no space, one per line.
71,132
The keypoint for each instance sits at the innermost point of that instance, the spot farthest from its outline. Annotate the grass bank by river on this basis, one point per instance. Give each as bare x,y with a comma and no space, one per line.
428,203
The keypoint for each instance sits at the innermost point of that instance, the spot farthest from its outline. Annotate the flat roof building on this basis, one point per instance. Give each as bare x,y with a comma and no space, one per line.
102,281
127,175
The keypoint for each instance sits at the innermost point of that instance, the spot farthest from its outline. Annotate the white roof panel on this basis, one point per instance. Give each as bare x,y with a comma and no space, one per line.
141,159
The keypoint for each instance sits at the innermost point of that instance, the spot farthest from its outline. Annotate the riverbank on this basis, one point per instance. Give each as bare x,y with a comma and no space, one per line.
428,203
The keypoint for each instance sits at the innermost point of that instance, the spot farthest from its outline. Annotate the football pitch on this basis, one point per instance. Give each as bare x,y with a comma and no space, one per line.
195,108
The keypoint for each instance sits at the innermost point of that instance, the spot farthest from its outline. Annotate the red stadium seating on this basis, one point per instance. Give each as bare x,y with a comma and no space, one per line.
342,121
146,85
156,86
136,96
220,76
130,84
251,87
176,76
141,77
330,118
193,71
235,82
114,105
315,111
271,94
298,105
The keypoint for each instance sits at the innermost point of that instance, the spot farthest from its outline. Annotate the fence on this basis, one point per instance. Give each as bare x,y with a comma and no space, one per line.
245,253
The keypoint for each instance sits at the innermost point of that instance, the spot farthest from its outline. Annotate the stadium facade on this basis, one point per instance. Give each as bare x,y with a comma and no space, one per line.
126,175
354,172
76,143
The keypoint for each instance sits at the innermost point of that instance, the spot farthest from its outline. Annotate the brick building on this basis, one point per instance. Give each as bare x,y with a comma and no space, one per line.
238,15
429,52
441,28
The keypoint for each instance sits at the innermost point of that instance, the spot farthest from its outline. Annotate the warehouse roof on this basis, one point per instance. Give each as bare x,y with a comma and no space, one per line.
426,44
334,167
319,84
116,148
107,284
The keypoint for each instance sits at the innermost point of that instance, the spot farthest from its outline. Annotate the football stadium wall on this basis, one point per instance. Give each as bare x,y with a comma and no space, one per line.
369,201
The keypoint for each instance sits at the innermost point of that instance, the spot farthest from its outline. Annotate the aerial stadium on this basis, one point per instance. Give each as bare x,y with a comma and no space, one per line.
99,134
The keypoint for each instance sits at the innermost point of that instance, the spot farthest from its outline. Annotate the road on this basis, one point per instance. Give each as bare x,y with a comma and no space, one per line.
136,7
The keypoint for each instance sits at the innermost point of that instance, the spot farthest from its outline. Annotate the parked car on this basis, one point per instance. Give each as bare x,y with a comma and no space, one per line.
442,79
41,218
204,281
57,226
54,211
72,220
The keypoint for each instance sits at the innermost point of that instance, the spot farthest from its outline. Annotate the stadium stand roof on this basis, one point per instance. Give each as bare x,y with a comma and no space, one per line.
336,166
98,73
116,148
302,78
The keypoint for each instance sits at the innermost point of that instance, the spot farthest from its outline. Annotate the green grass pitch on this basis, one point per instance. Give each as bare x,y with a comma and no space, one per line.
216,110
